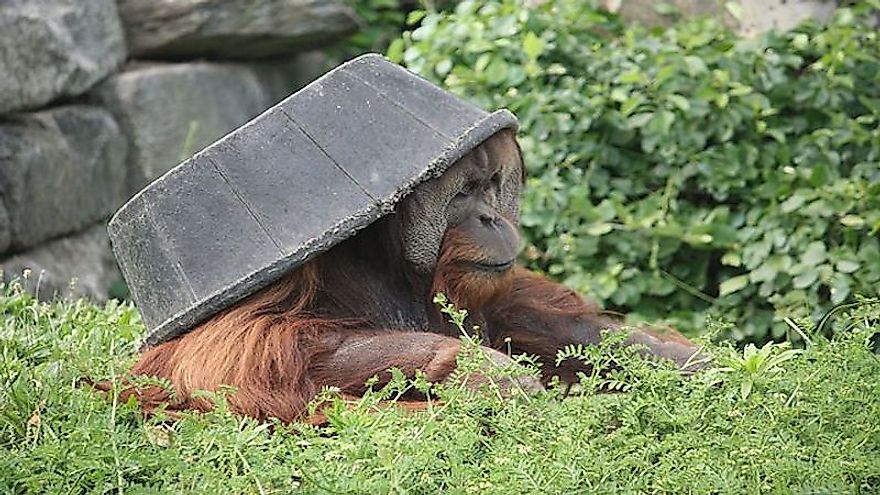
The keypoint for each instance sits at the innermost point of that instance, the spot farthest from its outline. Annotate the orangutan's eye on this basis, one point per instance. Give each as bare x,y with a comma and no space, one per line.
467,190
495,181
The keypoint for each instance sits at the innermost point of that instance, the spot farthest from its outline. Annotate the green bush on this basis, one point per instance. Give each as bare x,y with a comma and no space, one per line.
767,421
681,172
381,22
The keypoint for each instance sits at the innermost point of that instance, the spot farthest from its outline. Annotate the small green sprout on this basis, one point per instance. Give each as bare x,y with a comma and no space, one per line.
757,364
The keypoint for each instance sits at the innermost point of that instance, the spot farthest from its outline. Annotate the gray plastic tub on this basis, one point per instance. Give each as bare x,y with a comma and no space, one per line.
290,184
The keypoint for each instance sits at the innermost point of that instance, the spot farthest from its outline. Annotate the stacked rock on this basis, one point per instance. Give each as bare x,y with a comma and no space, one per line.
100,97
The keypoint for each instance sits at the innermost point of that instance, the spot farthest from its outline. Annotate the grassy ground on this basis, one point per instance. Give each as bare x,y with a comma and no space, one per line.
765,421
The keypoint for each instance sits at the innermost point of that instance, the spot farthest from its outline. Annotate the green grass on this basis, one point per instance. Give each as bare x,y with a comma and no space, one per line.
808,422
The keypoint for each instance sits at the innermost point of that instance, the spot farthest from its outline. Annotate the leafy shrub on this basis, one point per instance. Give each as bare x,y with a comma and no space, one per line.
769,421
381,22
682,172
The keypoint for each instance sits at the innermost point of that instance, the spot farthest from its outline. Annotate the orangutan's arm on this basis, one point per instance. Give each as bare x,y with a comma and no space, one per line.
364,354
540,317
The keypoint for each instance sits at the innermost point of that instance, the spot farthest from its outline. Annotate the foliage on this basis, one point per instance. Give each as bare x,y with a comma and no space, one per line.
756,363
682,172
811,426
381,22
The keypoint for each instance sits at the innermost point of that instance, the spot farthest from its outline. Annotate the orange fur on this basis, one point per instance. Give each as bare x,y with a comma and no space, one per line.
265,346
261,347
465,287
278,347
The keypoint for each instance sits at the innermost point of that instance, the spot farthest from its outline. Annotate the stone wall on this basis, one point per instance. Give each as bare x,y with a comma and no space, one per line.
99,97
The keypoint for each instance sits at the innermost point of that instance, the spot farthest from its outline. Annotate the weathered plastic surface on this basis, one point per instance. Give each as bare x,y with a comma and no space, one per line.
295,181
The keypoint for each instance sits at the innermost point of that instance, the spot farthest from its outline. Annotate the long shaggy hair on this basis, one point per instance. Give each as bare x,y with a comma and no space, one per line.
261,346
265,346
278,347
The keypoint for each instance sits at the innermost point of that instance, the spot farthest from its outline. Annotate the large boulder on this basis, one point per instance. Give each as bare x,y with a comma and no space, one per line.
78,266
5,228
237,29
55,48
60,170
170,111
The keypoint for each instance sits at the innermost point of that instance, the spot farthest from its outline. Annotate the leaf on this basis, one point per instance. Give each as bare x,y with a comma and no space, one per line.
680,102
556,69
844,17
533,46
395,51
735,9
841,287
482,62
793,203
745,388
800,41
665,73
640,119
814,254
776,134
443,67
731,258
497,72
630,104
805,279
847,266
631,76
598,229
414,17
697,239
819,175
853,221
733,284
772,364
695,65
764,273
